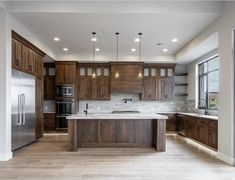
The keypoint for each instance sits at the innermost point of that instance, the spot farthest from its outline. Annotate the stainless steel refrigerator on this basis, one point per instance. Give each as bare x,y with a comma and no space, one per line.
23,109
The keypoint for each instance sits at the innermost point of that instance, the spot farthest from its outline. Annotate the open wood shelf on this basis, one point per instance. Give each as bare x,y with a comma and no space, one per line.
181,84
181,74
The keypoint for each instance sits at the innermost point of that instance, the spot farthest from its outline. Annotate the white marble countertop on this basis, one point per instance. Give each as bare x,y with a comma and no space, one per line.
192,114
134,116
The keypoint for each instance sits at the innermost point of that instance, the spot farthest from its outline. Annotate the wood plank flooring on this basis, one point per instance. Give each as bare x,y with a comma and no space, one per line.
48,159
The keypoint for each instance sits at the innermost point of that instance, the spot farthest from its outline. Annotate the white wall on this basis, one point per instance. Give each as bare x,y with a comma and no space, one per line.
5,77
224,26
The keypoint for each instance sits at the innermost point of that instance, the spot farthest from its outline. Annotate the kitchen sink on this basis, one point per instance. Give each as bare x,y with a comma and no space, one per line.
125,112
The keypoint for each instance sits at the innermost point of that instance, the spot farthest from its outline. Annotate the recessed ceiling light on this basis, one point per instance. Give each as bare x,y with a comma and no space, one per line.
97,49
137,39
65,49
174,40
94,39
56,39
159,44
165,50
133,50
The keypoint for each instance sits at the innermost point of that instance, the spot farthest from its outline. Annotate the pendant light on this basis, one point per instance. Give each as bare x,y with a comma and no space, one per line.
140,75
93,52
117,73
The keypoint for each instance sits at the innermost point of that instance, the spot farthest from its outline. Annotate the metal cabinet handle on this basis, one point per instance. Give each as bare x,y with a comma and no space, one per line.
23,108
19,110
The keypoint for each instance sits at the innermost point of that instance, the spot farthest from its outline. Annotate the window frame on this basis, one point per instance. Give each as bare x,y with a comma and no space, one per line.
205,74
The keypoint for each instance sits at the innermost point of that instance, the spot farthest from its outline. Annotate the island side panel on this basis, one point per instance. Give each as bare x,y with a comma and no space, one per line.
160,135
72,135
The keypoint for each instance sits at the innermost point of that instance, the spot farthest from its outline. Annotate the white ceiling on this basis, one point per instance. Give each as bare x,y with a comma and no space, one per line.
158,21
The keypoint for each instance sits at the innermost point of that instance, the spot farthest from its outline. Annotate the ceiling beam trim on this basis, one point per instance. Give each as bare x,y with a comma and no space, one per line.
114,7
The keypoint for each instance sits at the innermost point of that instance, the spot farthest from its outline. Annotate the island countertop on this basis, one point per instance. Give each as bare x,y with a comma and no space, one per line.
116,116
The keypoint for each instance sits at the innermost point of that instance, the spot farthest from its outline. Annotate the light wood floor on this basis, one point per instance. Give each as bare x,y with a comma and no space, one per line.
48,159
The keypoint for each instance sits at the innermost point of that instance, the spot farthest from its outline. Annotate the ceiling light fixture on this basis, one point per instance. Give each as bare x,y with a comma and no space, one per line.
133,50
97,49
117,75
165,50
93,52
94,39
174,40
137,39
65,49
56,39
140,75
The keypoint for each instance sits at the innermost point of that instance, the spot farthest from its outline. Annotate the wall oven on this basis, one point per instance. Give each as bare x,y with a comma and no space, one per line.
64,107
65,90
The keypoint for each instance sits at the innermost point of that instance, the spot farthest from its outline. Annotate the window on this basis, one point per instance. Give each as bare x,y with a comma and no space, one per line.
208,72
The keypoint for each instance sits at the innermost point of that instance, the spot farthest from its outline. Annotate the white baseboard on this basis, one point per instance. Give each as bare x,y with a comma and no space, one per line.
5,157
226,159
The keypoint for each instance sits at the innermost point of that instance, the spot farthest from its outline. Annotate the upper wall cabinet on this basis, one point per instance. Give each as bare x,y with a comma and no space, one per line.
94,87
66,72
128,80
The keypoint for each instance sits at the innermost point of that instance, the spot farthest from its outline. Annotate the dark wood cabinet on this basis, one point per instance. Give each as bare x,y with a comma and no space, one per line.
97,88
49,122
49,88
128,81
181,119
17,62
66,72
166,88
213,134
202,130
171,122
39,107
28,59
149,89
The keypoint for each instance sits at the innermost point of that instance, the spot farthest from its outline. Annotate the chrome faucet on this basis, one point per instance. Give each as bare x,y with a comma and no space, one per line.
86,111
205,108
126,100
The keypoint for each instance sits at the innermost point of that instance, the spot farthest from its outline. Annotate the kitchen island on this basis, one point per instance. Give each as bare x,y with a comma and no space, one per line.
116,130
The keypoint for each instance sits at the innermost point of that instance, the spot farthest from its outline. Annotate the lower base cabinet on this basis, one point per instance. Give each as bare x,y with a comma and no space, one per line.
202,130
49,122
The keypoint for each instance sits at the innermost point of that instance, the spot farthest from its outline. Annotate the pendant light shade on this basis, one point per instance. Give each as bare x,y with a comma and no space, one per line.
140,75
117,75
93,52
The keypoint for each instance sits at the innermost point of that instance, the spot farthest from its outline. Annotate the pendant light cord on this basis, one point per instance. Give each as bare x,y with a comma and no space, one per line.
117,46
140,34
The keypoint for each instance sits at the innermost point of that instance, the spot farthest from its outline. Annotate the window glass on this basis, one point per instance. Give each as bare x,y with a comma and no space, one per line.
98,71
82,71
89,71
162,72
106,71
153,72
146,71
208,84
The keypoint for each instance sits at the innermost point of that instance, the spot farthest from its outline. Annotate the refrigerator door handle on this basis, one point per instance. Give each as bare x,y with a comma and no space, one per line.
19,111
23,109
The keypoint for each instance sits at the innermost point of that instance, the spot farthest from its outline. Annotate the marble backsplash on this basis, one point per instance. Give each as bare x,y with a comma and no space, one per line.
49,106
117,103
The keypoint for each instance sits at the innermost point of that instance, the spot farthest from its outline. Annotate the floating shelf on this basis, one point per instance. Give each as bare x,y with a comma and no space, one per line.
181,94
181,74
181,84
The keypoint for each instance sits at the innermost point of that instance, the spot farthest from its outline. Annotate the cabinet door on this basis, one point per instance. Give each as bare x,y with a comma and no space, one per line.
85,89
202,131
181,124
17,55
213,135
60,74
70,74
103,90
166,89
149,89
171,122
31,62
49,122
49,87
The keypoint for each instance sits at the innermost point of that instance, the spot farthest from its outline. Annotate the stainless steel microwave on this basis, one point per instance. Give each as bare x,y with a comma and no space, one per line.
65,91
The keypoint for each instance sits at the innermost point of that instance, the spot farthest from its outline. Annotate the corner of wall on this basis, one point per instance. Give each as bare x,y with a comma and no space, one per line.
226,159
